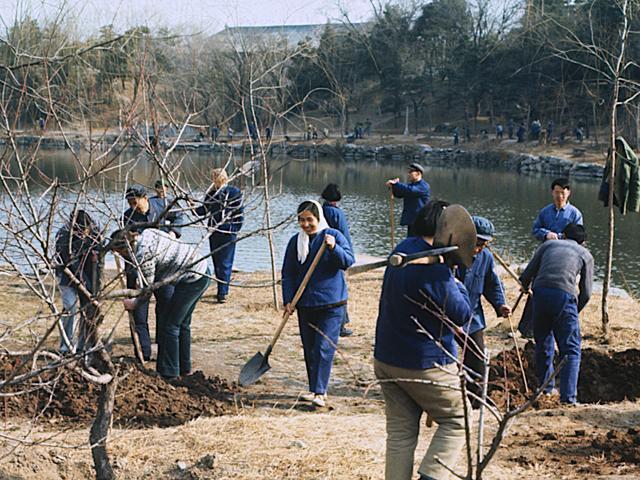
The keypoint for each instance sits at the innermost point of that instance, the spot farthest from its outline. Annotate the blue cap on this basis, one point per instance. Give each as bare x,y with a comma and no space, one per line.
136,191
484,228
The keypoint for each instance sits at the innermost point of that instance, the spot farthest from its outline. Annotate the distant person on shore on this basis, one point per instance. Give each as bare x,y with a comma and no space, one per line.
456,136
337,219
510,127
367,127
77,245
549,132
160,257
268,133
553,270
215,132
522,132
579,134
230,134
536,129
553,218
223,208
415,193
41,123
480,280
321,307
499,131
411,296
467,133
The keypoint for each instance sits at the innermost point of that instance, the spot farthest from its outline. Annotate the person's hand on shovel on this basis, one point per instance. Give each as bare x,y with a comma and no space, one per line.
392,182
287,310
129,304
330,241
505,311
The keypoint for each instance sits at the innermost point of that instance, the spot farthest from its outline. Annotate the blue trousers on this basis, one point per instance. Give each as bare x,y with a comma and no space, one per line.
555,313
174,328
319,349
141,312
223,259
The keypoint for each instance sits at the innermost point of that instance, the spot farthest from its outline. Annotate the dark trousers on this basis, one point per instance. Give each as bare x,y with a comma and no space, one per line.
223,259
319,348
555,314
174,328
141,312
410,231
473,360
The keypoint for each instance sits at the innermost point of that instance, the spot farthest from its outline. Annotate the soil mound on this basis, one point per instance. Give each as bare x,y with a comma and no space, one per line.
143,398
604,377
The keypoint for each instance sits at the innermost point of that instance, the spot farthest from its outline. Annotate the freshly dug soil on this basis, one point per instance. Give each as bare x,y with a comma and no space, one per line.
604,377
143,398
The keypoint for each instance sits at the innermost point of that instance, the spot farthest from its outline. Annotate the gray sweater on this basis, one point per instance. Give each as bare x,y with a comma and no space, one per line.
557,264
160,256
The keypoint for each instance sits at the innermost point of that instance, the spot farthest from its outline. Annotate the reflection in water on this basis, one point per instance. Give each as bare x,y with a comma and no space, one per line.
511,201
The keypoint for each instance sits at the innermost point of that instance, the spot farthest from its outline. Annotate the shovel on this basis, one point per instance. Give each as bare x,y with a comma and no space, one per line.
259,363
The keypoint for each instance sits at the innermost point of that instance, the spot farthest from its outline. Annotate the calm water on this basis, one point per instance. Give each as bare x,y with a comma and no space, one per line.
511,201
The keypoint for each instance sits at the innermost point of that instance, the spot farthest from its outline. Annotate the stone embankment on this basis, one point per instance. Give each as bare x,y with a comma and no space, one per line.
522,163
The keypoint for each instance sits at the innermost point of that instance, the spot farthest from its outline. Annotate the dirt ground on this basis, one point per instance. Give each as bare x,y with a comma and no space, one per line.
265,432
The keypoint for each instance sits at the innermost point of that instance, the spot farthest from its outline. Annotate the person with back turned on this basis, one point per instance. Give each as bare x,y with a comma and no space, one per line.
415,193
431,297
553,270
336,218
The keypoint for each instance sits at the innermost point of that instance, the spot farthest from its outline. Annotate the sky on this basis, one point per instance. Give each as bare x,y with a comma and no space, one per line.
208,16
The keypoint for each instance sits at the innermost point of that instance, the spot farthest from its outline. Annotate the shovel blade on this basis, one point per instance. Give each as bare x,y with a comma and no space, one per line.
254,369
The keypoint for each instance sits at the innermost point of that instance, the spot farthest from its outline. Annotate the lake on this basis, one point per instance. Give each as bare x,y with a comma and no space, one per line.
510,200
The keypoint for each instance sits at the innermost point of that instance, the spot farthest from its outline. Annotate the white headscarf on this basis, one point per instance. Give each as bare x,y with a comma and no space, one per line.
303,238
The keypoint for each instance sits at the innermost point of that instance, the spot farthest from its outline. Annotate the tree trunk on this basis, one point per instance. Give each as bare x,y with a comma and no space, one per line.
100,428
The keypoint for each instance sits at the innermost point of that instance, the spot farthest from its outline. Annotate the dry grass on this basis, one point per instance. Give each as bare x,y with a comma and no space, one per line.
269,434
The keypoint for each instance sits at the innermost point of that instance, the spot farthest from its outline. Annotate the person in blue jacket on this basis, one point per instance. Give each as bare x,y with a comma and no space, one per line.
415,193
553,218
337,219
413,297
480,280
143,213
223,205
321,307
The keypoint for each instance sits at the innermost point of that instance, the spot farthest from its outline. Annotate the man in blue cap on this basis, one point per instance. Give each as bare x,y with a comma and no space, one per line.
480,280
146,213
415,193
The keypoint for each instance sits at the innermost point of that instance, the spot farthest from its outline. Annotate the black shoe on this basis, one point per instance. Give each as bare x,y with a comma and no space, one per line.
222,299
346,332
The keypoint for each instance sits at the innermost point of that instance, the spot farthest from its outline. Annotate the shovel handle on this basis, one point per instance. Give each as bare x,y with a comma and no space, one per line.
392,222
297,296
132,323
505,265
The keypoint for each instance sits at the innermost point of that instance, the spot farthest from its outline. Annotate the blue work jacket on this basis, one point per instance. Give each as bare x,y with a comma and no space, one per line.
415,195
551,219
481,279
224,209
405,291
327,285
337,219
172,221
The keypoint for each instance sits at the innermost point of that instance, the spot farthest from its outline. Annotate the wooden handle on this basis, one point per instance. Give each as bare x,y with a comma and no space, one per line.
298,294
505,266
392,221
132,323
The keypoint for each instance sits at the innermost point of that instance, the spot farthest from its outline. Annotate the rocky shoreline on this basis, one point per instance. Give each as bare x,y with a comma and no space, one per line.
521,163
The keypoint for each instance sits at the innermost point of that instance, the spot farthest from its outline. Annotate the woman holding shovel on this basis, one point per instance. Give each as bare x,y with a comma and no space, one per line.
321,306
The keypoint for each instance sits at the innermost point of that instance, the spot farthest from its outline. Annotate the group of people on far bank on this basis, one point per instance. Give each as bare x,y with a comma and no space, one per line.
425,311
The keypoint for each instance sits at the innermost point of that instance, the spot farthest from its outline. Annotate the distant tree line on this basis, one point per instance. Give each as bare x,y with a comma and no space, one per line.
448,61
